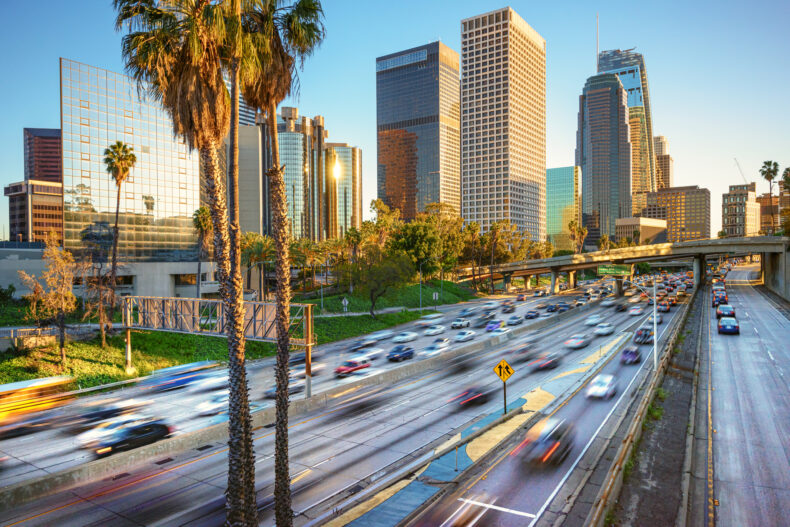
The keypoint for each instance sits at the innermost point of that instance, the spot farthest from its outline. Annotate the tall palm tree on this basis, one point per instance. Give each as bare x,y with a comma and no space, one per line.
119,159
286,35
263,249
201,220
174,49
769,171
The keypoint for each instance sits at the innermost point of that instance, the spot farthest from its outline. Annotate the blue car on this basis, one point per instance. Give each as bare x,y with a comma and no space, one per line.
400,353
729,325
552,308
531,314
563,309
630,355
178,376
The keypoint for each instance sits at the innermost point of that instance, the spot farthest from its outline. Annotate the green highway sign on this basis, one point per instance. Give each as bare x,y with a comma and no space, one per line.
614,269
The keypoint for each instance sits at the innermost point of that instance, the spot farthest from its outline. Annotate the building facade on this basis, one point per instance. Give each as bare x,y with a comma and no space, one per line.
418,128
640,230
35,209
685,209
562,204
42,154
769,213
664,163
603,151
503,122
629,66
344,188
740,212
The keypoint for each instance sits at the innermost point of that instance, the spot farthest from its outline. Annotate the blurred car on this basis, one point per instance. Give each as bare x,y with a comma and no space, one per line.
609,302
500,331
531,314
433,350
459,323
176,377
91,437
429,320
603,386
490,305
563,308
719,298
577,341
539,293
524,352
384,334
293,388
630,355
659,319
473,395
551,308
483,320
604,328
465,335
593,320
725,310
546,361
370,354
442,342
362,343
729,325
315,369
521,298
579,302
508,308
540,306
663,307
636,311
405,336
618,307
400,353
436,329
132,436
549,442
644,335
351,366
215,405
515,320
494,324
89,415
215,380
468,312
673,300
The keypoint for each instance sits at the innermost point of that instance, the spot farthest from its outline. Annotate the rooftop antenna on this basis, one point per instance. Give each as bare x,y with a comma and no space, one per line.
596,44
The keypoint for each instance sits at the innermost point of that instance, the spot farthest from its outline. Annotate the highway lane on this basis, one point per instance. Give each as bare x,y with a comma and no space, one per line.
330,450
751,409
512,492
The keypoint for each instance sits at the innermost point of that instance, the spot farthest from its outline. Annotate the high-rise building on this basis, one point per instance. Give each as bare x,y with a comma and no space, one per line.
344,189
35,209
740,212
664,163
660,145
418,127
629,66
685,209
503,122
42,154
603,151
769,213
562,204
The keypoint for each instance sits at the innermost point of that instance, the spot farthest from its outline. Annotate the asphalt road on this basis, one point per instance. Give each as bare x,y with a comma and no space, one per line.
331,450
750,410
510,491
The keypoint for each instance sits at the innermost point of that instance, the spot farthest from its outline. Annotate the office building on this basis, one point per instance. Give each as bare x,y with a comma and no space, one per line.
562,204
603,151
629,66
640,230
503,122
769,213
685,209
35,209
740,212
418,128
42,154
345,188
664,163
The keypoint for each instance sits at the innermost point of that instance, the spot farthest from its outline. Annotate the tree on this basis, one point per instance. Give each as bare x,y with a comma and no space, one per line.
471,250
283,36
604,243
449,229
769,171
119,159
175,49
722,234
201,220
636,235
420,242
577,234
352,240
51,304
376,272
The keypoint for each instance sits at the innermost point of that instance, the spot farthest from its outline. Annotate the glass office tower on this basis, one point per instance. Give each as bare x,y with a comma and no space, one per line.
418,124
344,168
562,204
99,107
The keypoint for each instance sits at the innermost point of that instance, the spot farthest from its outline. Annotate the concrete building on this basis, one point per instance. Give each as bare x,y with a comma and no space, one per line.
42,154
503,122
740,212
641,230
253,182
35,209
563,194
629,66
769,213
603,151
664,163
418,128
685,209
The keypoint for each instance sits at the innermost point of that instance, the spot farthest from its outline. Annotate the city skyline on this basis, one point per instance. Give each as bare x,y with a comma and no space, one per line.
702,149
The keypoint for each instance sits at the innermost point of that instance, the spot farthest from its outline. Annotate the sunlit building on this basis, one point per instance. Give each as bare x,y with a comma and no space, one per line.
640,230
740,212
664,163
685,209
769,213
562,204
343,164
418,128
503,122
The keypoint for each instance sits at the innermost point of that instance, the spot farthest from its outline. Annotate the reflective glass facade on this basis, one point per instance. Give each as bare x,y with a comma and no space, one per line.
99,107
344,167
562,204
417,111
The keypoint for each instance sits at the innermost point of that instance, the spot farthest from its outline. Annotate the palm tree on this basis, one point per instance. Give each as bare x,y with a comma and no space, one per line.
263,249
119,159
201,220
174,49
286,34
604,243
769,171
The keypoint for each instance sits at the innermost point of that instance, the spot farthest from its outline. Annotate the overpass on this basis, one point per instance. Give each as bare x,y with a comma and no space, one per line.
773,251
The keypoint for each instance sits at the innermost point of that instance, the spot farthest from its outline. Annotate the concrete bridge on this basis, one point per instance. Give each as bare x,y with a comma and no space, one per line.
773,251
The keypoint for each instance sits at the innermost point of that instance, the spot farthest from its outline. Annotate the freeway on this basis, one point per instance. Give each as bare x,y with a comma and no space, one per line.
333,452
510,491
750,414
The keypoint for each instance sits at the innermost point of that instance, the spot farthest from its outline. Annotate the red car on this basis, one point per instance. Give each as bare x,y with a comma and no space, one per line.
351,366
521,298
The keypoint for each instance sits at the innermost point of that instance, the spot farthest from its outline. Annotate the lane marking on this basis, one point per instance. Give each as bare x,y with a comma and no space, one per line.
301,475
496,508
570,372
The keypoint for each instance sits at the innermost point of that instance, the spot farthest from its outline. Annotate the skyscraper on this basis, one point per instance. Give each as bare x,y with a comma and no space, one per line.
42,154
740,212
629,66
418,127
344,189
503,122
685,209
664,163
603,151
562,204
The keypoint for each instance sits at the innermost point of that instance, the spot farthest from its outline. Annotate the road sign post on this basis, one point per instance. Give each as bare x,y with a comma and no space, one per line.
345,304
503,371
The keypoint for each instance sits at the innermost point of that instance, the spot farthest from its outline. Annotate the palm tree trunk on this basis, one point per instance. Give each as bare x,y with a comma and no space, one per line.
282,481
114,253
197,281
260,281
62,336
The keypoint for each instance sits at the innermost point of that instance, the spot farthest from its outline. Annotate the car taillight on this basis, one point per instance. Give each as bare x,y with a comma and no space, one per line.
171,430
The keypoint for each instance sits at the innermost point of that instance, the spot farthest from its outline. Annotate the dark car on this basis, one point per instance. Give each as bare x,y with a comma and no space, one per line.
133,436
483,320
620,307
725,310
563,308
719,298
729,325
521,298
525,352
531,314
467,312
176,377
508,308
643,335
630,355
547,361
400,352
293,388
473,395
362,343
549,442
552,308
663,307
515,320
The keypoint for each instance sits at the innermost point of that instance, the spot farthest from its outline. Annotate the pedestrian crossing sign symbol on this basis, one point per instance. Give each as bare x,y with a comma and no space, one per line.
503,370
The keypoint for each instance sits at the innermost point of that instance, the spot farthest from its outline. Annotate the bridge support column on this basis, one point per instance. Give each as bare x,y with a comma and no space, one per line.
554,285
506,282
571,279
762,267
618,286
699,270
528,282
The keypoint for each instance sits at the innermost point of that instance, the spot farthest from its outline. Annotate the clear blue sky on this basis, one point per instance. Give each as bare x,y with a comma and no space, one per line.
719,73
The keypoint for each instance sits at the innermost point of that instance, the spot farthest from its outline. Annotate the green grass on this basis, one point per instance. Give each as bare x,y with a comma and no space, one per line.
14,314
407,296
661,393
331,329
655,412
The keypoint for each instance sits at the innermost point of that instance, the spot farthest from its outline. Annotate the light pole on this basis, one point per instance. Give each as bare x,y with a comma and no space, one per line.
655,319
421,287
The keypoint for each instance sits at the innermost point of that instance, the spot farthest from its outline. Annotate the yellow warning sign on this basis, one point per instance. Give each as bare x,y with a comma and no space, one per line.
503,370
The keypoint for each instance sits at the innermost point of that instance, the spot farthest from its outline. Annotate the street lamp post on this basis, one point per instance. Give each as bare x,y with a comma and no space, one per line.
421,287
655,319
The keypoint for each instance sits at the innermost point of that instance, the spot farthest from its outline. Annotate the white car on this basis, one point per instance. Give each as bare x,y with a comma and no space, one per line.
214,381
436,329
602,387
429,320
609,302
490,305
215,405
659,319
593,320
315,368
577,341
405,336
635,299
432,350
368,353
465,335
629,292
500,331
636,311
91,437
605,328
459,323
442,344
384,334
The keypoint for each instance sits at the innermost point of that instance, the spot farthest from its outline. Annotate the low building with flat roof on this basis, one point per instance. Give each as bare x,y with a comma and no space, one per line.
640,230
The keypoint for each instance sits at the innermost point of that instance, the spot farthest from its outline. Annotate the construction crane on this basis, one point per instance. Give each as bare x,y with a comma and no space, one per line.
740,170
